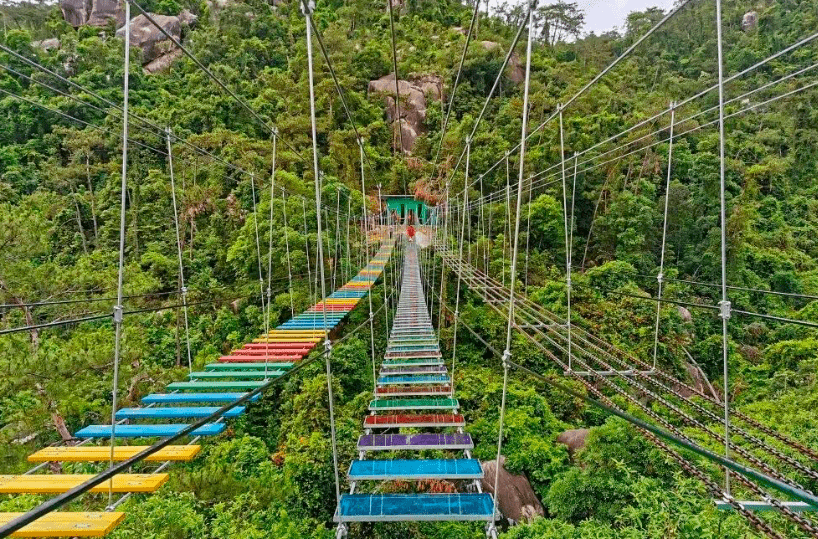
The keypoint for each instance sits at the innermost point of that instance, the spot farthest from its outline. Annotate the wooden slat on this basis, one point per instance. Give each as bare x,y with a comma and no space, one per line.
63,524
123,452
56,484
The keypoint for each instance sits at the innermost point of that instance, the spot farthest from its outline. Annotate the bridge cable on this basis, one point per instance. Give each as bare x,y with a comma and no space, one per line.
271,128
264,307
803,522
494,87
307,12
464,218
179,252
287,250
687,119
567,240
678,7
121,271
398,119
366,244
454,87
68,496
530,308
270,255
507,352
724,304
660,276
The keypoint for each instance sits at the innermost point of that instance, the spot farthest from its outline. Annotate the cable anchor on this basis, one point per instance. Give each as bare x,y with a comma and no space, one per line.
725,310
307,7
660,278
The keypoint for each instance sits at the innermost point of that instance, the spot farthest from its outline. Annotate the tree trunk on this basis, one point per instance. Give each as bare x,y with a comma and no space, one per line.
59,424
79,220
35,334
134,195
93,201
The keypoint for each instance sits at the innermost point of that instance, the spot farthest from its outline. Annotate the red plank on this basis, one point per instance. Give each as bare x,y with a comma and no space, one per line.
272,351
394,419
258,359
301,345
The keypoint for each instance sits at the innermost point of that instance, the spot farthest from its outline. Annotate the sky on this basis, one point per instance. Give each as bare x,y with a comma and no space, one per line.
604,15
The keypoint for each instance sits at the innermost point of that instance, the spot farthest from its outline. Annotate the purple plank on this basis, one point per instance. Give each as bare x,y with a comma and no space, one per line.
374,442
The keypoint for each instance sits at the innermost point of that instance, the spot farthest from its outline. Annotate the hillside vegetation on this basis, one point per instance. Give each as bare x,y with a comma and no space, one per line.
271,475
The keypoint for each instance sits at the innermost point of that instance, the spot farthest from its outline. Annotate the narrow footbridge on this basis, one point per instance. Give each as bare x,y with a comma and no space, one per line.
414,391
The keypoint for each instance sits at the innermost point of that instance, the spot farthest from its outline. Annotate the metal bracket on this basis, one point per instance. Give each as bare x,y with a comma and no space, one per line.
491,531
725,310
307,7
327,346
660,278
341,531
117,314
506,358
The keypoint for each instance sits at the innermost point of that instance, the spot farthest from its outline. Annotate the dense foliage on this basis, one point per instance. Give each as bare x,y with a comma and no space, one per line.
271,475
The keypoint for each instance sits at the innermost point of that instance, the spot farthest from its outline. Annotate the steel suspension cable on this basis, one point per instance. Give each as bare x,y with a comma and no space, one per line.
507,352
269,127
464,218
179,253
121,270
454,88
307,11
494,87
398,119
287,248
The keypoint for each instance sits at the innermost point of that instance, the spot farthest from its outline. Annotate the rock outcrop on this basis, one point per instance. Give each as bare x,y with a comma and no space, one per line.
92,12
515,70
516,499
157,50
412,105
47,44
574,439
749,21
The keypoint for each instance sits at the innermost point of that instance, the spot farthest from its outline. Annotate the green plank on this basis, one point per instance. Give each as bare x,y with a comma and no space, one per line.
207,386
209,375
413,404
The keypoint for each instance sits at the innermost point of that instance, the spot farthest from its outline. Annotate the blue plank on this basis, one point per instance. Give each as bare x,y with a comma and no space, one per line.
187,398
415,507
181,412
147,431
415,469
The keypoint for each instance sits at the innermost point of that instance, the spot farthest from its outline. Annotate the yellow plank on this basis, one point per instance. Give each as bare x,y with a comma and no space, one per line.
56,484
291,332
97,454
292,336
279,339
63,524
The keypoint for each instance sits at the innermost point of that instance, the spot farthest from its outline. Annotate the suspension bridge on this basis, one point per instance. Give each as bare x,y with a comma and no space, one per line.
414,409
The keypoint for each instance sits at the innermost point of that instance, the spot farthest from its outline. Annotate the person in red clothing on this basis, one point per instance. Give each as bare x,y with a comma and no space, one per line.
410,231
